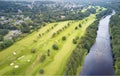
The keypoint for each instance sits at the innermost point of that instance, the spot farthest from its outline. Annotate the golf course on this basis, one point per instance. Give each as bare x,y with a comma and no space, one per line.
47,50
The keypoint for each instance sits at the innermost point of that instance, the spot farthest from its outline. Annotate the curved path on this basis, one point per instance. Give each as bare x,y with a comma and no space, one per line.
99,60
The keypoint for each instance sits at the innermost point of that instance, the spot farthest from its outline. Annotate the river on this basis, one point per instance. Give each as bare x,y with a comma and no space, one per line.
99,60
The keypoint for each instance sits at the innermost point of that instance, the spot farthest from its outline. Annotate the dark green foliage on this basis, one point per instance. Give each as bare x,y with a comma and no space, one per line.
25,28
41,71
64,38
80,25
104,13
55,47
3,32
85,43
1,38
6,43
92,10
74,41
76,28
48,52
115,36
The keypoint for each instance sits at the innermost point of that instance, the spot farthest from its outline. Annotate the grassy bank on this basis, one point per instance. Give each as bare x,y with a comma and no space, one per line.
46,51
20,53
75,62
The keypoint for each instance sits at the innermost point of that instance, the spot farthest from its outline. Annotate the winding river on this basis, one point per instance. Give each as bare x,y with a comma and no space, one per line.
99,60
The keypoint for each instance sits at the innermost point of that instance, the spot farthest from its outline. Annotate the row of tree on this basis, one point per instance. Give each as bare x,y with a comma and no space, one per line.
115,36
83,47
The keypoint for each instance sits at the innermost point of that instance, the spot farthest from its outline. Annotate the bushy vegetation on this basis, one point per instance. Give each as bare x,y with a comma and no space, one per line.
115,36
64,38
6,43
104,13
83,46
74,41
55,47
41,71
48,52
39,14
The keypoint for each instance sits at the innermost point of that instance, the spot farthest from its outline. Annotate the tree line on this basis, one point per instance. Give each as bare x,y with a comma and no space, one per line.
83,46
115,42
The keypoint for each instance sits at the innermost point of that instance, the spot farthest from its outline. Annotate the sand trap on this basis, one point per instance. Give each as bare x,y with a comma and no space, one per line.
16,66
28,60
21,57
14,53
11,64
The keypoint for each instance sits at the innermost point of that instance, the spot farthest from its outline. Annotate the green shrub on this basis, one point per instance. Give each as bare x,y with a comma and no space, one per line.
6,43
64,38
115,36
74,41
76,28
76,59
41,71
80,25
48,53
55,47
1,38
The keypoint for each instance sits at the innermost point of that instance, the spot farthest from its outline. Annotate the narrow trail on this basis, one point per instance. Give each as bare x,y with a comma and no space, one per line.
99,60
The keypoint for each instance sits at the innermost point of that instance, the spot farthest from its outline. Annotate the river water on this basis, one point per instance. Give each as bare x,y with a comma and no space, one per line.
99,60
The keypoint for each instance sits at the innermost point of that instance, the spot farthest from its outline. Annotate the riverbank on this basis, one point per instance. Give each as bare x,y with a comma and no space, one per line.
115,36
99,60
76,60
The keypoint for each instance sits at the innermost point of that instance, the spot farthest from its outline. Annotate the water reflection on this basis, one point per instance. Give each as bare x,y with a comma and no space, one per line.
99,60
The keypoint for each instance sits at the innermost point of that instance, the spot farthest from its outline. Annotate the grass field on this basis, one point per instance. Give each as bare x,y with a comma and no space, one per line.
18,58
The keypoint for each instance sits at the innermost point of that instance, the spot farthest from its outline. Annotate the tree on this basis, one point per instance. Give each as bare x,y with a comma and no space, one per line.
48,53
6,43
76,28
25,28
80,25
1,38
55,47
41,71
3,31
64,38
74,41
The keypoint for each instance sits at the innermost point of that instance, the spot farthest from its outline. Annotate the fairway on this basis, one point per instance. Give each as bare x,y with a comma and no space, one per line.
18,58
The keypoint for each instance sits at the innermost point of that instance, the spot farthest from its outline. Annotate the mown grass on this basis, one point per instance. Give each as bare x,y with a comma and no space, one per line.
53,64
